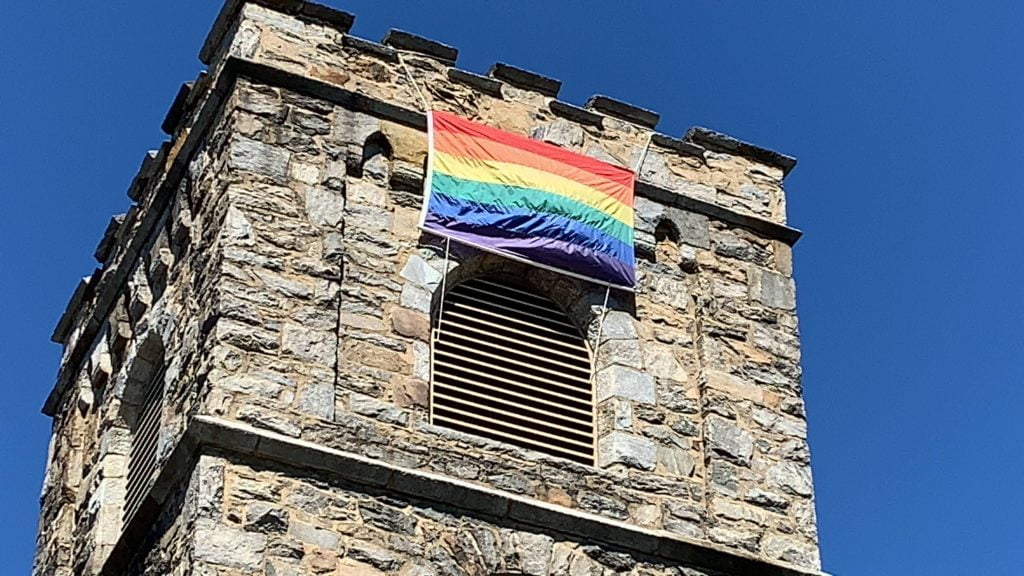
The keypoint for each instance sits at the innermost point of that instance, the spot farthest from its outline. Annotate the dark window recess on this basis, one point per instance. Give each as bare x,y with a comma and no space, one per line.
509,365
142,459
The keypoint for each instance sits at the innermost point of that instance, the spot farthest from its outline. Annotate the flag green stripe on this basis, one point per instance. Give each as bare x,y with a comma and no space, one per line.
508,196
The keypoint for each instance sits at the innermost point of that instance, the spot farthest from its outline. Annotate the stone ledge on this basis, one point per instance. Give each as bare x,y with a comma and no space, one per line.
106,244
525,79
386,53
679,145
772,230
575,113
725,143
206,434
60,331
177,110
482,83
153,161
623,111
410,42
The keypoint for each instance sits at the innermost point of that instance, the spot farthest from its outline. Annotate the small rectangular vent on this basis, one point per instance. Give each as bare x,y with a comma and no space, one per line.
142,460
509,365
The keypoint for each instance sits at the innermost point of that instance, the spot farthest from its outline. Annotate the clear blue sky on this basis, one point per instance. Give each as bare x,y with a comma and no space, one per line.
908,123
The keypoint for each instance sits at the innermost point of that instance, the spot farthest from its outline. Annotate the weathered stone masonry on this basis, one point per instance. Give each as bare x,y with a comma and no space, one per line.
272,264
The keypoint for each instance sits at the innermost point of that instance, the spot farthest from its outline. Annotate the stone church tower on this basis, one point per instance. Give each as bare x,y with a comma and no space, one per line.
261,376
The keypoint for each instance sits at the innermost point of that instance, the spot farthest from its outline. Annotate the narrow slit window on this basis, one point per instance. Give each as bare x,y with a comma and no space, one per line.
509,365
142,459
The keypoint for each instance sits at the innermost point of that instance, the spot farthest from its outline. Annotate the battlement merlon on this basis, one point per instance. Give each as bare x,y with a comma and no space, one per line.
306,47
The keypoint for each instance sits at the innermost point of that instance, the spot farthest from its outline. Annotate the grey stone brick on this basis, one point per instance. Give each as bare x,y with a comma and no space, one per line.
622,382
729,440
627,449
259,158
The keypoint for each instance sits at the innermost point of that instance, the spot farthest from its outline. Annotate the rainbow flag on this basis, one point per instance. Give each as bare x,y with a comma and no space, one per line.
530,201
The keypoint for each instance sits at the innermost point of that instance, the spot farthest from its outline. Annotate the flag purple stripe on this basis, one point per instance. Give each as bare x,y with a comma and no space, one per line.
547,251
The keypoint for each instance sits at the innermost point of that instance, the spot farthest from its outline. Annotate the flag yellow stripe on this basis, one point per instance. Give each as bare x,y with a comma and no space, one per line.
504,173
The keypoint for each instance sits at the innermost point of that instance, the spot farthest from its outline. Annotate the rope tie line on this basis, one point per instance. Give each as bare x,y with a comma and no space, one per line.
643,155
415,85
444,281
600,325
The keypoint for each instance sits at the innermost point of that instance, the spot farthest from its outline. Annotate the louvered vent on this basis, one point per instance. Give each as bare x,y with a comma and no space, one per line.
142,460
510,366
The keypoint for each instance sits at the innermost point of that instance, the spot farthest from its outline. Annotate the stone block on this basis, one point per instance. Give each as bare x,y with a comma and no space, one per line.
269,420
403,40
766,499
623,110
325,207
616,414
410,392
771,288
419,272
526,79
323,539
376,556
317,399
791,477
421,360
675,461
415,298
788,549
259,158
627,449
734,538
377,409
225,545
411,324
693,228
731,510
727,439
355,127
661,363
734,387
534,552
303,172
618,325
351,567
626,383
647,214
481,83
311,345
575,113
782,258
560,133
622,353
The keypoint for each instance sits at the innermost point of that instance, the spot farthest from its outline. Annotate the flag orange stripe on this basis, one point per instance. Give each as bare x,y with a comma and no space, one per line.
476,148
450,128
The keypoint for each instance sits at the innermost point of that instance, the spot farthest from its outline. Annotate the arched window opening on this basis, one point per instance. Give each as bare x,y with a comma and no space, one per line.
142,459
376,161
666,238
509,365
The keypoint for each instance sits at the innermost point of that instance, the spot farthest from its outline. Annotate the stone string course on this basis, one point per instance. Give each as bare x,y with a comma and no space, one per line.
272,262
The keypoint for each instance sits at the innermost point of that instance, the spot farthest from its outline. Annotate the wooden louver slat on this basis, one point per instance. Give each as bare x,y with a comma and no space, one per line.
509,365
142,460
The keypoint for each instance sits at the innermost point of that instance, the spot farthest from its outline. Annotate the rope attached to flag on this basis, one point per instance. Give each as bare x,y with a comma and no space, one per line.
600,326
415,85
